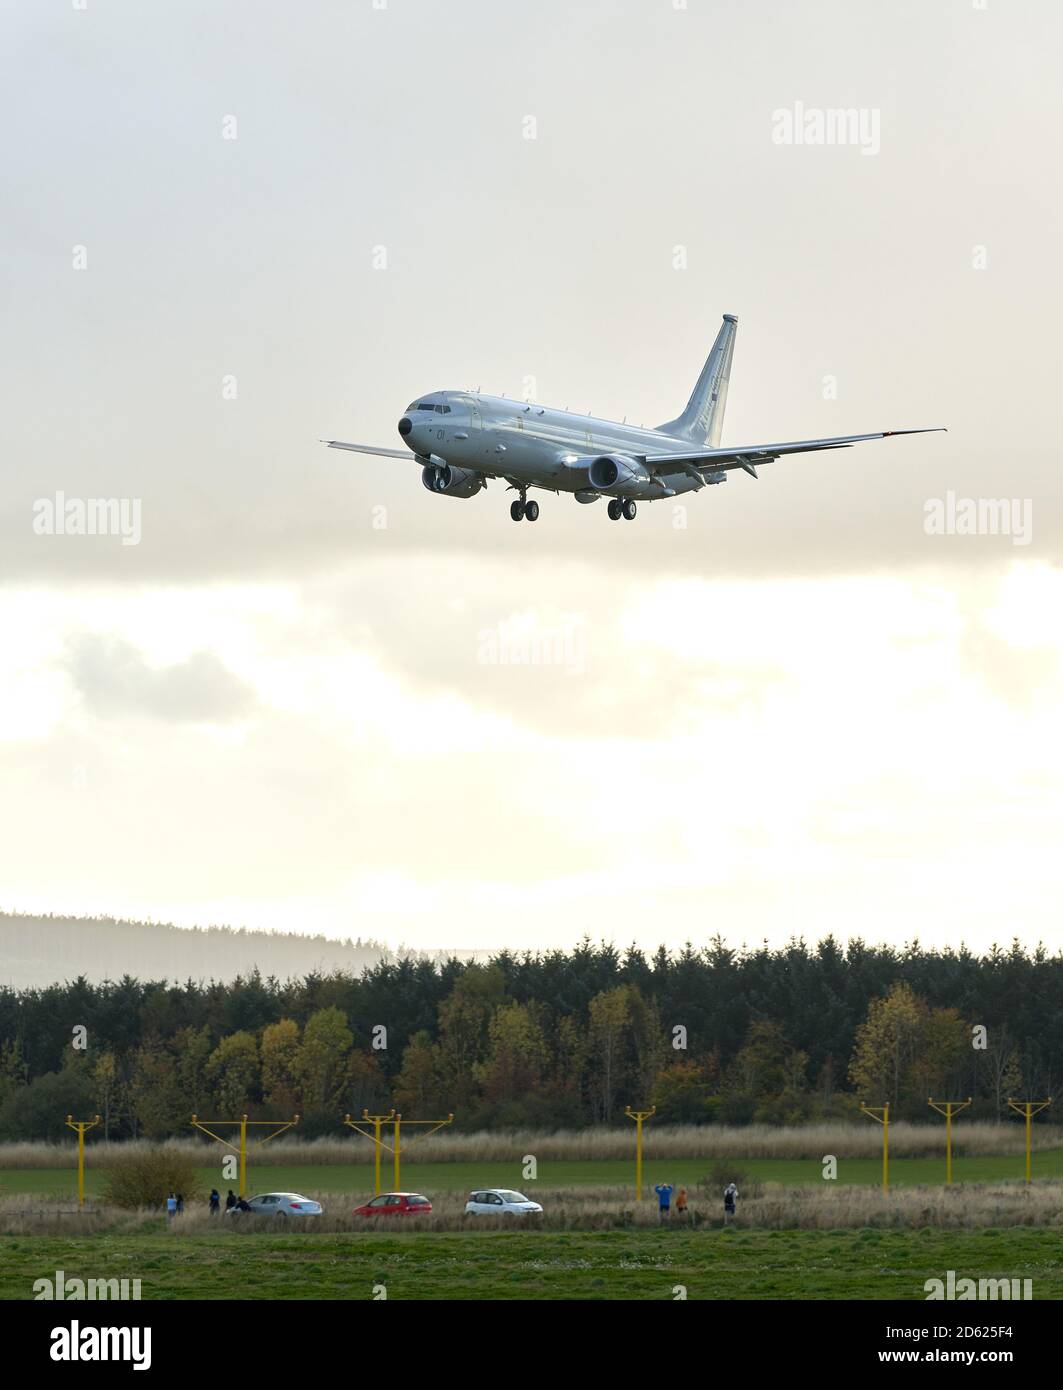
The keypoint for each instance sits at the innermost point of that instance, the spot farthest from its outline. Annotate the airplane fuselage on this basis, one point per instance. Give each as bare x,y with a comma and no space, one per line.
461,439
533,444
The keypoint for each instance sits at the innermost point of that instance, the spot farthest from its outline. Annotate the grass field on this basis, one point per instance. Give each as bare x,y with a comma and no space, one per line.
315,1179
540,1265
797,1237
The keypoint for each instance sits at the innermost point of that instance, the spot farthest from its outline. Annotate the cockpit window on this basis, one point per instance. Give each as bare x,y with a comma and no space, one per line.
428,405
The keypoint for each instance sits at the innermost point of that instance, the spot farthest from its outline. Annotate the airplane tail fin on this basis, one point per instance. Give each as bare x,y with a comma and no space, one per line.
702,421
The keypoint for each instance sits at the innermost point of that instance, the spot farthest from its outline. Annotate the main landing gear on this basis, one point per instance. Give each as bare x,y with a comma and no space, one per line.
622,508
523,510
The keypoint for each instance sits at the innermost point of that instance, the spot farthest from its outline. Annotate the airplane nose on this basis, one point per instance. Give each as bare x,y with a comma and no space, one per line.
405,425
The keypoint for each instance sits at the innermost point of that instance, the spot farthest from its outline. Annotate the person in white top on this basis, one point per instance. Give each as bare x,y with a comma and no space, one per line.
730,1203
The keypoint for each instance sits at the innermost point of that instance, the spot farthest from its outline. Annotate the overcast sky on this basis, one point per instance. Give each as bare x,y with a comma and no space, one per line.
315,697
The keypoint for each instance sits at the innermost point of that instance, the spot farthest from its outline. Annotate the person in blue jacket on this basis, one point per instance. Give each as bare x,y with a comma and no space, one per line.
664,1192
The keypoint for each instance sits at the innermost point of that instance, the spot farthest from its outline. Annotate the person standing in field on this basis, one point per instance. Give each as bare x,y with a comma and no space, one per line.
171,1206
230,1201
681,1203
664,1192
730,1203
215,1201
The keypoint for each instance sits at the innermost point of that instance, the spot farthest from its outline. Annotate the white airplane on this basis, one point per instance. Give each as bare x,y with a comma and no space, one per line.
461,438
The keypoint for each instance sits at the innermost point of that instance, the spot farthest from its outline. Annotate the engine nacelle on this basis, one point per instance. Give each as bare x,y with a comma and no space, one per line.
619,476
449,481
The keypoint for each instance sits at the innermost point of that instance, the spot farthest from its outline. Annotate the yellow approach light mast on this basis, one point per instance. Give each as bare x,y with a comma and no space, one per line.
81,1126
377,1121
396,1149
399,1150
639,1116
244,1124
948,1108
881,1113
1028,1109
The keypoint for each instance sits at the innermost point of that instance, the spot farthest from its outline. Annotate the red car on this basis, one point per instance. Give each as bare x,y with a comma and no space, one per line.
396,1204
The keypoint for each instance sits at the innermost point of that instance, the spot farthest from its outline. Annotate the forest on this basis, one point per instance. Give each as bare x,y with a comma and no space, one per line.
35,950
556,1039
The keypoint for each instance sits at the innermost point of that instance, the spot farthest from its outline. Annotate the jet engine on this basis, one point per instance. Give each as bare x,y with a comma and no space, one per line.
619,475
451,481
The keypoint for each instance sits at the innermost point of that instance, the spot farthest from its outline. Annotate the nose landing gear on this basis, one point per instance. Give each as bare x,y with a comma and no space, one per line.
622,507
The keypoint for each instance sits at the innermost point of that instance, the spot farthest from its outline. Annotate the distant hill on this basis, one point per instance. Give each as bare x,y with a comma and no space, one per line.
37,951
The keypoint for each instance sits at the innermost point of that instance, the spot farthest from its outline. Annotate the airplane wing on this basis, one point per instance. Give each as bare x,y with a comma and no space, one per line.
748,456
370,449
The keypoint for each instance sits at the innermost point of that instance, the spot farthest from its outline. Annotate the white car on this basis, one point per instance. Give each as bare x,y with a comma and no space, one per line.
278,1204
500,1201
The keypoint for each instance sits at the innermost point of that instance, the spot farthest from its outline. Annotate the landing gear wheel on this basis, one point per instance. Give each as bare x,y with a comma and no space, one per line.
531,511
629,510
614,509
516,511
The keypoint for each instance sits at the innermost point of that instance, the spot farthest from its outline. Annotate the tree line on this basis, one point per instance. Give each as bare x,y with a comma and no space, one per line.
35,950
547,1040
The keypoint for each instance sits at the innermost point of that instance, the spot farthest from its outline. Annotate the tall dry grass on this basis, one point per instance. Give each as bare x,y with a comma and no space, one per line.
830,1207
970,1205
32,1214
860,1139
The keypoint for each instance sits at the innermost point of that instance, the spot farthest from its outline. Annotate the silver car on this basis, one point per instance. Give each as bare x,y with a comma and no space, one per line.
278,1204
500,1201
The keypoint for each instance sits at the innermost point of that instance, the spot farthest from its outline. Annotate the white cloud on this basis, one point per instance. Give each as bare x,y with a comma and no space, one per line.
829,756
